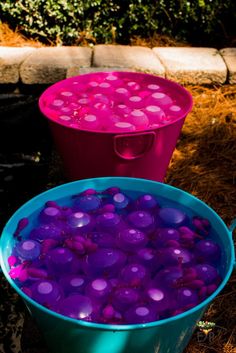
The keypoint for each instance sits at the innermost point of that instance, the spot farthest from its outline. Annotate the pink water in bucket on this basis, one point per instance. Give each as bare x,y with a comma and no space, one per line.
116,123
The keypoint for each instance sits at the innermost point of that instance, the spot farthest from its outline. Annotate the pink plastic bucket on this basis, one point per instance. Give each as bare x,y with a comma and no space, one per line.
142,151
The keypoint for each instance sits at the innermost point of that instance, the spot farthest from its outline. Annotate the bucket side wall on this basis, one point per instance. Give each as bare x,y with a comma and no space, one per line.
87,155
62,336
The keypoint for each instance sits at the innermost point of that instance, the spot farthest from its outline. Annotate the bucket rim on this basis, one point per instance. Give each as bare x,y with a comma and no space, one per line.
113,327
110,132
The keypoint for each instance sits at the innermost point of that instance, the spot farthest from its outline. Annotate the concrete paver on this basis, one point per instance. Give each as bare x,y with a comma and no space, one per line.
10,61
229,56
134,57
192,65
50,64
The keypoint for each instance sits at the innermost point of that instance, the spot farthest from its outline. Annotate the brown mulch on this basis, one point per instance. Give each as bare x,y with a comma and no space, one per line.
11,38
204,165
158,40
204,160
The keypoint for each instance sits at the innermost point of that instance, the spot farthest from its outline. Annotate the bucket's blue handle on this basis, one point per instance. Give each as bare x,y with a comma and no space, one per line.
231,229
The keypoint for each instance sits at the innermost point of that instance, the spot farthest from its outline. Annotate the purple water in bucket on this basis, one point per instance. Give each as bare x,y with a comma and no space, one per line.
115,257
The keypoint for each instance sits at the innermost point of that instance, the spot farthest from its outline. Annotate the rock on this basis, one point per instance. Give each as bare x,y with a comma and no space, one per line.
50,64
10,61
229,56
192,65
124,56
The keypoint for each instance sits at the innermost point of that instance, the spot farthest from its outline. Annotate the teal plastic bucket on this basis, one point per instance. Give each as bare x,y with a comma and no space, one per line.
65,335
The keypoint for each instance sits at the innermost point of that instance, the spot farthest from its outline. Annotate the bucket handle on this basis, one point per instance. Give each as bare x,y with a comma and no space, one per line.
133,146
232,227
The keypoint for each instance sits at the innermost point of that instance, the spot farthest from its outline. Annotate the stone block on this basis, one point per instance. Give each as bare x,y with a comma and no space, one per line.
123,56
50,64
192,65
10,61
229,56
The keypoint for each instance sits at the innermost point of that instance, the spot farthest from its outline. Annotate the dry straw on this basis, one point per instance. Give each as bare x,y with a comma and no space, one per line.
204,164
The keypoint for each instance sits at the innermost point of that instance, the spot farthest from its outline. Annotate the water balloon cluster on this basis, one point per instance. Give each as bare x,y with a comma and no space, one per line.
112,258
112,102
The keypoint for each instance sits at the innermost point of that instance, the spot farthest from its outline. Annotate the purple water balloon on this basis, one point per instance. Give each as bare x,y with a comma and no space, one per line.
61,260
104,262
202,225
169,277
99,289
142,220
147,202
109,222
147,257
158,297
134,275
187,234
109,207
80,222
207,273
172,217
131,239
123,298
175,256
76,306
73,283
141,314
46,231
211,288
87,203
49,214
163,235
36,273
120,201
12,260
28,249
207,251
66,212
103,240
21,225
112,191
46,292
47,245
52,204
186,297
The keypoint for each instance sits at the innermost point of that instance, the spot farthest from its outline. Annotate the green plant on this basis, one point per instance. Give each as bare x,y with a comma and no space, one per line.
49,20
65,21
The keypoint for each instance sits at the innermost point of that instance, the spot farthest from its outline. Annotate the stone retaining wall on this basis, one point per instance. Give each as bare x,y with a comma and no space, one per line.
43,66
